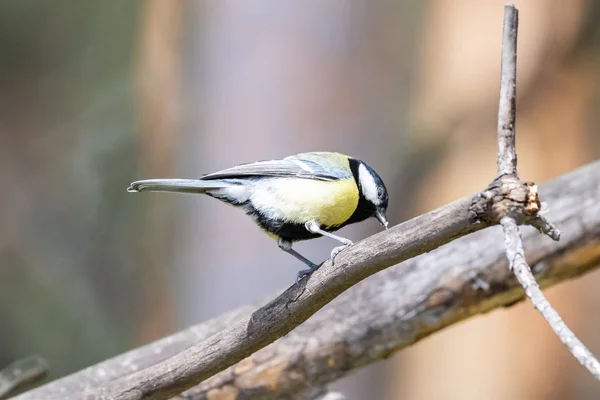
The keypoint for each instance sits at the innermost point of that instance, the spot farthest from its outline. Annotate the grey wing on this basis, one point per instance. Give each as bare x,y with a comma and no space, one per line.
282,168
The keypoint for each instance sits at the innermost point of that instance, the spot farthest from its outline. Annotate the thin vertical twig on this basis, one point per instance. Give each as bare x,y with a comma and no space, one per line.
507,155
507,169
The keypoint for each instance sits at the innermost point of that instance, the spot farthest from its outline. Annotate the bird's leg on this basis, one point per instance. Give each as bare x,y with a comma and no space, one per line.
286,246
313,227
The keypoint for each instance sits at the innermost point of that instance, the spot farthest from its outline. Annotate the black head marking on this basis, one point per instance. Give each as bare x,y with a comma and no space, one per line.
367,208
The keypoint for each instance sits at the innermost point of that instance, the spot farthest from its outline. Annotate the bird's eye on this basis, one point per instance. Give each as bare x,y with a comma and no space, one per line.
379,192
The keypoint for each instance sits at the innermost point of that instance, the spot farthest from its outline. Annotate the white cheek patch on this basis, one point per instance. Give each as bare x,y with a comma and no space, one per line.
368,185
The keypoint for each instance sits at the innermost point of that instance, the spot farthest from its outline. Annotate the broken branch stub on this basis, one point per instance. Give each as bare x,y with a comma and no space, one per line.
506,196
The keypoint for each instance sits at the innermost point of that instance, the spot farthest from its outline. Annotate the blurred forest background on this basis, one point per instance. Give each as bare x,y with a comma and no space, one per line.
96,94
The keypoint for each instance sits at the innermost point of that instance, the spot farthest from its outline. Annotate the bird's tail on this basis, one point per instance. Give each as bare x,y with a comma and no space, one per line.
176,185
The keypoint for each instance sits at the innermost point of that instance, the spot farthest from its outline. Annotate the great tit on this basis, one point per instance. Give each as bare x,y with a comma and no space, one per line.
300,197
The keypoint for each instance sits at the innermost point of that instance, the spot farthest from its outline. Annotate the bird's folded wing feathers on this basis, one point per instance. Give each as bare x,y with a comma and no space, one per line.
291,167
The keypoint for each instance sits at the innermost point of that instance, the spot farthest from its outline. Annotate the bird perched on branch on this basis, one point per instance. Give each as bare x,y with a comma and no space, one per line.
300,197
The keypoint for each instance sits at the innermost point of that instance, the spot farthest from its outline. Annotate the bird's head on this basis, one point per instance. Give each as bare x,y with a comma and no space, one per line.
372,191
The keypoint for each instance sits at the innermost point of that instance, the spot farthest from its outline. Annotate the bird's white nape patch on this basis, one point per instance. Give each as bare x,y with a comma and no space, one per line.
368,184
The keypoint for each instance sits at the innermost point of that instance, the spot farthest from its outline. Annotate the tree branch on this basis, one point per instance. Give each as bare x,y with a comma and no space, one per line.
509,217
385,313
21,374
404,304
253,332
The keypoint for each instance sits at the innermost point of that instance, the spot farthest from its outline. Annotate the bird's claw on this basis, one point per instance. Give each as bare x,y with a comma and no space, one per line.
302,274
337,250
305,272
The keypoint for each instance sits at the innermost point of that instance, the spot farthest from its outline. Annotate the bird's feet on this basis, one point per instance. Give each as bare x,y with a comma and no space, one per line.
306,272
337,250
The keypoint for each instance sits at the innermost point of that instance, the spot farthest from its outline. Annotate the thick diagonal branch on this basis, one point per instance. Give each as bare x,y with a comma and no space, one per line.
383,314
253,332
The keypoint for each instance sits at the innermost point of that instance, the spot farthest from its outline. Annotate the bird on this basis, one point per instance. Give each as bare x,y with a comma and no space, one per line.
300,197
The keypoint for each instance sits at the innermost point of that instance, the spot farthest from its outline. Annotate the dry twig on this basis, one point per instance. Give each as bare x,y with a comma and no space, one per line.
507,107
507,174
516,257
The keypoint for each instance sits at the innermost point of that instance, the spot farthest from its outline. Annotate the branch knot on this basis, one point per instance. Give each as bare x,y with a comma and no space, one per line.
506,196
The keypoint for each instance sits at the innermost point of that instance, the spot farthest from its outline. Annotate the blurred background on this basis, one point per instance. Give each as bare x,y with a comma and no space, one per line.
94,95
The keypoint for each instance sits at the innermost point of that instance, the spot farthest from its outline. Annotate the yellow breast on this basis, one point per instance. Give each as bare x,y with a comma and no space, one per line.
302,200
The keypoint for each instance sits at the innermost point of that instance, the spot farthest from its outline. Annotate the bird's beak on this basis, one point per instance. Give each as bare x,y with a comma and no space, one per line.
380,215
